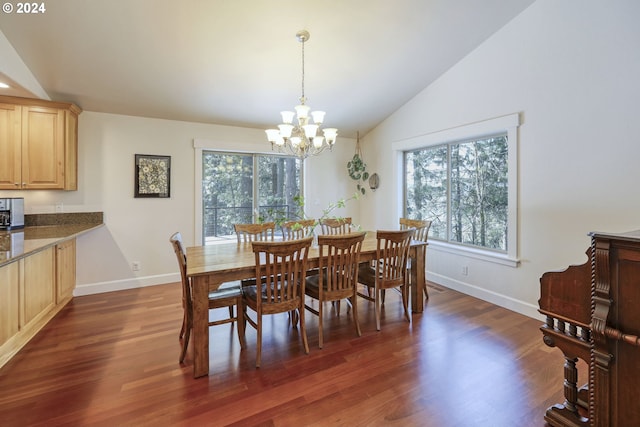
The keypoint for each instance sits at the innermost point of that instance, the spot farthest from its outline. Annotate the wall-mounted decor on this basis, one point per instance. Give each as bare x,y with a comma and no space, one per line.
374,181
153,176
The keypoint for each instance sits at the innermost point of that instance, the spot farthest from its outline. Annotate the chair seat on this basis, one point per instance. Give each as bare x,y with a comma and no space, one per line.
366,274
226,290
313,283
251,292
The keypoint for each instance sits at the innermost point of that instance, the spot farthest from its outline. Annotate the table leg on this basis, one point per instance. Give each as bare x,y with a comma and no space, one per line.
418,279
200,332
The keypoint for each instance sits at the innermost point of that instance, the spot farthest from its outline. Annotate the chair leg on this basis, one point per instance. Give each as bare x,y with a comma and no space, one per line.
184,325
377,302
241,323
355,314
336,305
320,337
231,312
405,298
185,343
303,328
426,292
293,315
259,339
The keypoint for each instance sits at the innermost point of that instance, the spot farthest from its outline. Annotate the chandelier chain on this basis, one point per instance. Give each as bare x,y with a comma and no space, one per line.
303,98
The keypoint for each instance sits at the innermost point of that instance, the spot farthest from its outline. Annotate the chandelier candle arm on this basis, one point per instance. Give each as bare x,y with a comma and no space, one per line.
302,138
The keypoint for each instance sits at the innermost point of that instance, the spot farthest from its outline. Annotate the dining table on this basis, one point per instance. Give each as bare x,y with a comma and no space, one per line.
209,266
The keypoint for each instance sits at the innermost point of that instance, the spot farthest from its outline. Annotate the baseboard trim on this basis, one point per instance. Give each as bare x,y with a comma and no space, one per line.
119,285
509,303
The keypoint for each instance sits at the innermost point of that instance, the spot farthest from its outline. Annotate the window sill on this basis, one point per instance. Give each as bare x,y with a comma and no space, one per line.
476,253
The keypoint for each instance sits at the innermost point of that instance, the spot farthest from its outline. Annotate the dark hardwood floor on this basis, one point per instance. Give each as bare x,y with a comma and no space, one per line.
112,360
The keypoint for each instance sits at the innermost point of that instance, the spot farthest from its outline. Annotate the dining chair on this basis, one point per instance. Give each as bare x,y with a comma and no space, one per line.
334,226
227,295
422,233
298,229
281,267
390,269
255,232
337,278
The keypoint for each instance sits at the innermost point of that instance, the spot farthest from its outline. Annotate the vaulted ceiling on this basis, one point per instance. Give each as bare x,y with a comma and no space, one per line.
238,62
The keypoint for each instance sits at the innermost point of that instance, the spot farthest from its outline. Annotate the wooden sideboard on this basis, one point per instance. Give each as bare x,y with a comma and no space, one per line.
593,314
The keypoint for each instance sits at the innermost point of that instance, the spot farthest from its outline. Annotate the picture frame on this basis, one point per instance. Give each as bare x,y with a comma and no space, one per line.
152,176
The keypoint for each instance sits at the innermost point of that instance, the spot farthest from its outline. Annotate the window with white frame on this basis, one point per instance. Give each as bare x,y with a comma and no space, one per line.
243,188
462,188
464,180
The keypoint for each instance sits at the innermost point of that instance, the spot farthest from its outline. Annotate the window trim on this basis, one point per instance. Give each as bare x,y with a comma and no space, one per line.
508,124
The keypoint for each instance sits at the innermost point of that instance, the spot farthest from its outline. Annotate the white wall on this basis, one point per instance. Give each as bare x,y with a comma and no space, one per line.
570,68
139,229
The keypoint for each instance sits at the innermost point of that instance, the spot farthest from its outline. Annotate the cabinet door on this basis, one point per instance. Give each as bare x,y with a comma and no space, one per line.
71,151
43,155
65,269
39,285
9,298
10,167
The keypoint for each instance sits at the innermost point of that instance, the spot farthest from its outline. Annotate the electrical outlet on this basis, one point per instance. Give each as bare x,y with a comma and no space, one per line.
135,265
465,270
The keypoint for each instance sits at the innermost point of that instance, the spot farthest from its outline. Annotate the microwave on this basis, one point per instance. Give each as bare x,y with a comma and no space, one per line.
11,213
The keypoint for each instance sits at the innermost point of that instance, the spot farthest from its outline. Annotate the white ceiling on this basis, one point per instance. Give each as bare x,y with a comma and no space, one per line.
238,62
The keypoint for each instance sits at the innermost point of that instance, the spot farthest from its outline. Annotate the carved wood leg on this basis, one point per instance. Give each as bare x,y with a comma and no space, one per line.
567,415
570,384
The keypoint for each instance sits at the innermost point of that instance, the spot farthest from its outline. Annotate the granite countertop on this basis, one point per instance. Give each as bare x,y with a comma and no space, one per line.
42,231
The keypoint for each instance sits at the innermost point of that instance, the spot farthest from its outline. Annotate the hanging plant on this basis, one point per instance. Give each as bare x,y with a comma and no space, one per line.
357,168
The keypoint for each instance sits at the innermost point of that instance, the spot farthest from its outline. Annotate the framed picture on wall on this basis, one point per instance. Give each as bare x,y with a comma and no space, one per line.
152,176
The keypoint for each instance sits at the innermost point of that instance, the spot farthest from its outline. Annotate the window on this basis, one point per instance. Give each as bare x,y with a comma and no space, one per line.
462,188
240,188
464,179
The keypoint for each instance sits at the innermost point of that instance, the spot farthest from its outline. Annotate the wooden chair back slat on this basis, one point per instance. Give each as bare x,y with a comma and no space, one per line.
339,258
421,225
263,232
298,229
334,226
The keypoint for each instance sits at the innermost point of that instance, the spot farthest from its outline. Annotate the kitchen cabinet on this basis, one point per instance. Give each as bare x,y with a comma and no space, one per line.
37,291
33,289
65,270
38,144
9,302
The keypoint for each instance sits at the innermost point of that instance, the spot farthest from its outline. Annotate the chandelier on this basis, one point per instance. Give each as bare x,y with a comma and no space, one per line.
302,138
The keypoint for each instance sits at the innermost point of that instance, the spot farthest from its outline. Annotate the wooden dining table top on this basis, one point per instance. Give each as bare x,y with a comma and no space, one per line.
232,261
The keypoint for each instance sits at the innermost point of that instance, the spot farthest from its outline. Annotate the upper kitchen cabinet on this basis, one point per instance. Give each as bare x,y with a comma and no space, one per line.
38,144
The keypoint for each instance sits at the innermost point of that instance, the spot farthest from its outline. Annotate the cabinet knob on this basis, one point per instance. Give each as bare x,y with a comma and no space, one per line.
17,184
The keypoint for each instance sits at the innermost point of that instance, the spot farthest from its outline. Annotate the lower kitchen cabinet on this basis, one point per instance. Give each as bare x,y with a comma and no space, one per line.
33,289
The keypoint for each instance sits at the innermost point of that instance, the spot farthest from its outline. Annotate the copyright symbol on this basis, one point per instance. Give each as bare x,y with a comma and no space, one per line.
7,8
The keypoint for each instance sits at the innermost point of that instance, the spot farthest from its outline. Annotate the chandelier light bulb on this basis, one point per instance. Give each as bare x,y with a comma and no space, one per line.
285,130
310,131
287,116
318,117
